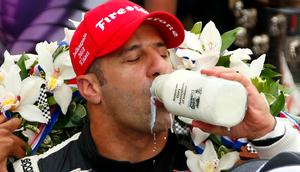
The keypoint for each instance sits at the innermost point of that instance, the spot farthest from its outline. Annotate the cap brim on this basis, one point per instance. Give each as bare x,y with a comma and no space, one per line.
167,25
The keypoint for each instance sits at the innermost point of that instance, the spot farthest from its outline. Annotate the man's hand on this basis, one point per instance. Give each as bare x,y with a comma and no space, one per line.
258,120
10,145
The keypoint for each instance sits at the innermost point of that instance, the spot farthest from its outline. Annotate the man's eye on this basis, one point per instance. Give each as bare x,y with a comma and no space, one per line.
165,54
133,59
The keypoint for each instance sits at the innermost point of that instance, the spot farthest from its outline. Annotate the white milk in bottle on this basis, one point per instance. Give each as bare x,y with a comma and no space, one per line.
209,99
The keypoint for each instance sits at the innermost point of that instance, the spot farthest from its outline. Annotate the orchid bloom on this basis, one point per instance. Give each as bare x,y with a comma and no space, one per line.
8,62
201,51
28,63
19,96
250,71
68,32
208,161
56,72
68,35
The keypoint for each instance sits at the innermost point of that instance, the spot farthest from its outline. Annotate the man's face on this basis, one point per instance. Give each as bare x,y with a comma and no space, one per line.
129,73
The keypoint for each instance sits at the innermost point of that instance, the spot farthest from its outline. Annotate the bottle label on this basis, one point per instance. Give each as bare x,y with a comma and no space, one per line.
195,98
179,93
180,96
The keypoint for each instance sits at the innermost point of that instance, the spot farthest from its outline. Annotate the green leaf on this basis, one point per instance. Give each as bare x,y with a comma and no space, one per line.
270,66
222,150
228,38
59,50
80,111
215,139
273,87
269,73
258,83
270,98
28,150
224,61
51,101
278,105
72,107
21,135
196,29
22,66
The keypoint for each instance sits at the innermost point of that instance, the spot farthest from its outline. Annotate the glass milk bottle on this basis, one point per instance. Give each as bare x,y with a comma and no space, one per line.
209,99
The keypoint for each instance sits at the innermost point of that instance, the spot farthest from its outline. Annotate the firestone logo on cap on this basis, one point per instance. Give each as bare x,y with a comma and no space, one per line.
114,15
167,25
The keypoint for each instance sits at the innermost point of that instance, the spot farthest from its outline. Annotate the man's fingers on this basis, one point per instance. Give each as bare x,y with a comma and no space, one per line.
216,71
2,118
11,145
11,124
18,152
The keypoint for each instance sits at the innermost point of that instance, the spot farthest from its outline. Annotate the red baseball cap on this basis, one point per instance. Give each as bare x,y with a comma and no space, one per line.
110,25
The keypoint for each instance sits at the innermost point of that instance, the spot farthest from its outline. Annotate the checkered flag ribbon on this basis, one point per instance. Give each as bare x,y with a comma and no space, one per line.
180,127
43,103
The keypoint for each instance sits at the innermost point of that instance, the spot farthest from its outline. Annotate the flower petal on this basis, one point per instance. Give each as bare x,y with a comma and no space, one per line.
207,60
240,53
241,67
198,135
210,38
228,160
193,161
186,120
8,61
31,113
30,89
256,66
63,97
175,60
2,91
189,58
31,60
44,57
76,23
12,81
209,153
63,62
68,35
191,41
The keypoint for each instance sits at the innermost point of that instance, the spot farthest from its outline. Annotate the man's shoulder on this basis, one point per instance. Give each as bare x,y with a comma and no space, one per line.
53,157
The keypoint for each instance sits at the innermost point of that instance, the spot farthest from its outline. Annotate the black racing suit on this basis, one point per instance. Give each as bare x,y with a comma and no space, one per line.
79,153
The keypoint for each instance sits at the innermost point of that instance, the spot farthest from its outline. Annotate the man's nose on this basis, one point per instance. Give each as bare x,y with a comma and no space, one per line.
159,65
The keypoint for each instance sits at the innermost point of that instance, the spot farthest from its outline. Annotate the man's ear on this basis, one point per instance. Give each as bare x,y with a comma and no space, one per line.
89,88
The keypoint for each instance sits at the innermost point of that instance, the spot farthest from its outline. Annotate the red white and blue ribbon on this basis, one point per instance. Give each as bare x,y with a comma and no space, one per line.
290,118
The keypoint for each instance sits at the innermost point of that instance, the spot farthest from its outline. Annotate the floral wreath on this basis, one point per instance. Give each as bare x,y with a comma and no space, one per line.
40,89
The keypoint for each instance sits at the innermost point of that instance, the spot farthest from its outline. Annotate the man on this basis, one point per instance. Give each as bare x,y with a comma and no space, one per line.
117,51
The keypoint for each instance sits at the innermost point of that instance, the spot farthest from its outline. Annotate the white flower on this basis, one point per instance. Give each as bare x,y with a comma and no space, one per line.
6,65
68,35
19,96
191,41
198,136
211,41
251,70
28,63
68,32
56,72
76,23
208,161
200,52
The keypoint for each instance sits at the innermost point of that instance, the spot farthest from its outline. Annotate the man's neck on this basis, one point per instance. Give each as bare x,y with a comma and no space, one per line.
125,145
